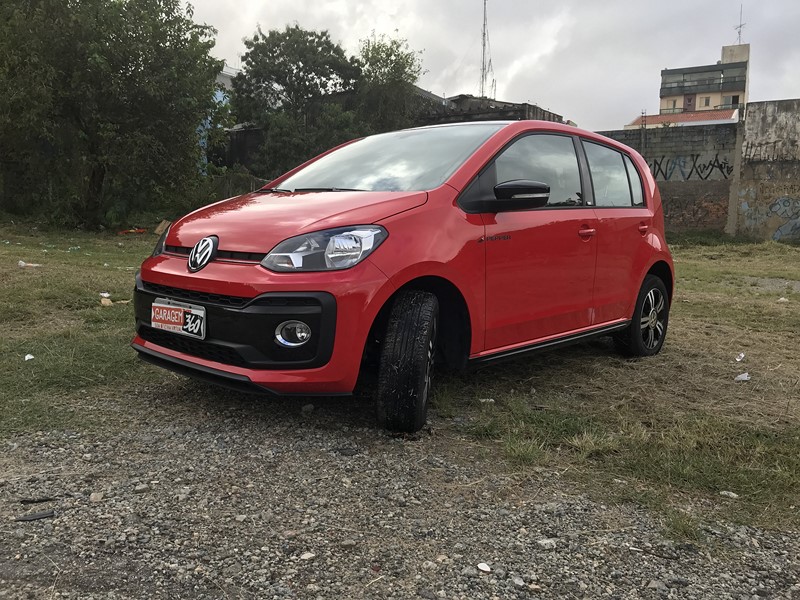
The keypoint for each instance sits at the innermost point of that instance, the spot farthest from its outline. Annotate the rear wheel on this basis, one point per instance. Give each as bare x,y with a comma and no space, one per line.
406,362
645,335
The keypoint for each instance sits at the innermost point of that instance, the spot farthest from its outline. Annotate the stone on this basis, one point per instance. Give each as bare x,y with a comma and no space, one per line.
95,496
547,544
307,556
141,488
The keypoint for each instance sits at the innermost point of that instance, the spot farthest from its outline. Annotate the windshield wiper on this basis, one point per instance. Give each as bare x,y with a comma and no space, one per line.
327,189
272,191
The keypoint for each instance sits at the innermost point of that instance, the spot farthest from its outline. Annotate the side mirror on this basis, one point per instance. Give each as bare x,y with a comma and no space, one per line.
519,194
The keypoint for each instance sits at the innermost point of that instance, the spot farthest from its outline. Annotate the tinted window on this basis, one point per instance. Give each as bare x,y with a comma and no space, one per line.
549,159
636,182
609,176
403,161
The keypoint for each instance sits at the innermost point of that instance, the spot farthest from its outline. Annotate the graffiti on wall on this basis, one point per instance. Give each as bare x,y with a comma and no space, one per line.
776,150
789,209
784,210
691,167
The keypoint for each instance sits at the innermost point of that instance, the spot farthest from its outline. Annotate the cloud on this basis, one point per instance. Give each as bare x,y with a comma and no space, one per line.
598,63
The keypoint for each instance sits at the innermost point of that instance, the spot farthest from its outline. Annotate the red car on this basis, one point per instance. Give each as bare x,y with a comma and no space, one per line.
449,245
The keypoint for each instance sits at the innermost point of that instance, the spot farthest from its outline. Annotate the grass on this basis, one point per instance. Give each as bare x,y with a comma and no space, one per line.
53,312
675,428
669,432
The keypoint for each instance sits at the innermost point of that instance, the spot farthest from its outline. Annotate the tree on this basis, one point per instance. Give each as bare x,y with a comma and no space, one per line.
287,70
102,105
307,95
389,71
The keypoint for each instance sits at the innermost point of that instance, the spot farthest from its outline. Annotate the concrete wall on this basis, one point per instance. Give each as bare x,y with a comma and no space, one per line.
766,200
694,167
742,178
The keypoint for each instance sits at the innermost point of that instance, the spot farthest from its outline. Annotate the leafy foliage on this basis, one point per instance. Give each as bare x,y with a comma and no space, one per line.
103,107
386,98
307,95
287,70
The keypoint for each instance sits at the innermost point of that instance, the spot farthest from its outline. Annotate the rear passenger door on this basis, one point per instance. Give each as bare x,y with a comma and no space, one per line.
623,222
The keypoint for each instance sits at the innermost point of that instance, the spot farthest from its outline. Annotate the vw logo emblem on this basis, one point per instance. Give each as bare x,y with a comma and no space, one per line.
203,253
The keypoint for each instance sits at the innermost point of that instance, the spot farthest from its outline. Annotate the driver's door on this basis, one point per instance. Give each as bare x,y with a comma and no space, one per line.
540,263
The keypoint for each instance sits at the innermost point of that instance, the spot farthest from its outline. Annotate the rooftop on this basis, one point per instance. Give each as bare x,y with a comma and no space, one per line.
701,117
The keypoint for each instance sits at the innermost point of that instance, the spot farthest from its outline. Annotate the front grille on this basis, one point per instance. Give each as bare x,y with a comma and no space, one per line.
198,348
223,254
192,296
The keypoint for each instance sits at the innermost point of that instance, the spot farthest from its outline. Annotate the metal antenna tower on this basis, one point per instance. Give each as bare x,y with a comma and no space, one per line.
738,28
486,59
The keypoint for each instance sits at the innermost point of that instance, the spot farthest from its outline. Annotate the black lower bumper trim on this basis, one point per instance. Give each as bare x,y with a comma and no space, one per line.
231,381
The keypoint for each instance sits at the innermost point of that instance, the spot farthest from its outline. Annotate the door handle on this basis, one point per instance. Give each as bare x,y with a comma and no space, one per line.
586,232
643,227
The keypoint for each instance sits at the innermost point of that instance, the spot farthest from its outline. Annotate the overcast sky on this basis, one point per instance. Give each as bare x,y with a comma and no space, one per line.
597,62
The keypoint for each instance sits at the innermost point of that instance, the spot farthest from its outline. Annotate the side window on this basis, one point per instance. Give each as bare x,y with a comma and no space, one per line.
635,180
549,159
609,176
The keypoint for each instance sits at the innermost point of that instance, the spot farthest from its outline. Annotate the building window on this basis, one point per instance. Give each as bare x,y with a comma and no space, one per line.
730,101
674,102
707,101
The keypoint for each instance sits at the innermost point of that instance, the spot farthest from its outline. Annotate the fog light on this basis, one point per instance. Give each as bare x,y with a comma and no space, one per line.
292,334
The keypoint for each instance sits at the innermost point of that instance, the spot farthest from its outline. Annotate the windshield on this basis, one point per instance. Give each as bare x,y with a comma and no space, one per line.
402,161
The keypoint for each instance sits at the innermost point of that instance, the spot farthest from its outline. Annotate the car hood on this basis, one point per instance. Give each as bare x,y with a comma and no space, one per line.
257,222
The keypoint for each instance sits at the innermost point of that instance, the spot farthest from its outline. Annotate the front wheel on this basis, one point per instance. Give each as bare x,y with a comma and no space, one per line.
406,362
645,335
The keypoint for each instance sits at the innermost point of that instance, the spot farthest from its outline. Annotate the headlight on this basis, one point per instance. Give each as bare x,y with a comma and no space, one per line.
329,250
160,243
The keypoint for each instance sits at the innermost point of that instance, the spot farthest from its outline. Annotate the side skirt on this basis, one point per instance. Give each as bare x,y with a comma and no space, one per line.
549,345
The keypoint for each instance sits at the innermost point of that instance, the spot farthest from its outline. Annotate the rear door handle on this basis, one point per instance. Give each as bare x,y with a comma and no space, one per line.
643,228
586,232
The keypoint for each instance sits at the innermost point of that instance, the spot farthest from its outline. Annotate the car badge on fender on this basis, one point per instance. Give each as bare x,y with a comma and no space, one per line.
203,253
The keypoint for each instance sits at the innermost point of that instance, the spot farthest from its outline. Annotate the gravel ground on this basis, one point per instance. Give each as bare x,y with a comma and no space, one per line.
240,498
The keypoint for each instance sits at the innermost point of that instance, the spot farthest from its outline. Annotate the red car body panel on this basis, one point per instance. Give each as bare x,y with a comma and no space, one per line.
525,277
257,222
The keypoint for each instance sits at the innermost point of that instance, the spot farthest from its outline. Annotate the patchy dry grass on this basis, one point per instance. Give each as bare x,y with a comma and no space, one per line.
53,312
669,432
674,430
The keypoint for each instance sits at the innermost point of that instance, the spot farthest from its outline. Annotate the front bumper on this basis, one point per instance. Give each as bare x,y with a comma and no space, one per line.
239,350
240,332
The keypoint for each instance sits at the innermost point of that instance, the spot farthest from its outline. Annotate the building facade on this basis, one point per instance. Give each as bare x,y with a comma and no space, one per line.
709,87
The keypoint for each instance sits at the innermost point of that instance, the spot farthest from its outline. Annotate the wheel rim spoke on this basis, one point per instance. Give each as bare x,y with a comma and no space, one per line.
661,304
650,301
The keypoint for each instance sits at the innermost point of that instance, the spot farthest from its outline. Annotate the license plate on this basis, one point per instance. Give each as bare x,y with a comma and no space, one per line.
177,317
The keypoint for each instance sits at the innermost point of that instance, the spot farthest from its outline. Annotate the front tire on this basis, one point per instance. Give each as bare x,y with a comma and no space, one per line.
406,362
645,335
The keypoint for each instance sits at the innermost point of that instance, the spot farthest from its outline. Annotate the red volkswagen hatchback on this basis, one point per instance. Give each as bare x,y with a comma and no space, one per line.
448,244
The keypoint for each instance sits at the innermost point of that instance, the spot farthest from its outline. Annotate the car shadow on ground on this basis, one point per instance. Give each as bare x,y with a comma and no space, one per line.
196,400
